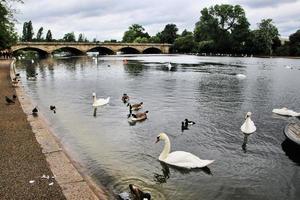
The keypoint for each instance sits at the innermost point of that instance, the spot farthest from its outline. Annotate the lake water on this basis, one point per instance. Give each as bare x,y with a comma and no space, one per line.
203,89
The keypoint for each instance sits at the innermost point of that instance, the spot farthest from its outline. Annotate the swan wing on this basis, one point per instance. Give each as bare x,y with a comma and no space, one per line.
186,160
101,101
248,127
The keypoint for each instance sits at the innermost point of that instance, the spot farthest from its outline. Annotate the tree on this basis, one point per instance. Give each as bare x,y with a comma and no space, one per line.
135,31
39,35
49,36
263,38
295,43
69,37
169,34
141,40
80,37
185,43
224,25
27,31
8,35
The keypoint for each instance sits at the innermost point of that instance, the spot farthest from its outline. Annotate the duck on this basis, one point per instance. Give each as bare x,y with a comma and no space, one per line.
248,126
135,107
286,112
188,122
32,78
180,159
100,101
138,193
125,98
53,108
8,100
139,116
35,111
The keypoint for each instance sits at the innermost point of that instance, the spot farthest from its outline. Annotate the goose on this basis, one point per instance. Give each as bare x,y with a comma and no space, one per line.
248,126
138,193
135,107
188,122
139,116
179,158
100,101
8,100
286,112
125,98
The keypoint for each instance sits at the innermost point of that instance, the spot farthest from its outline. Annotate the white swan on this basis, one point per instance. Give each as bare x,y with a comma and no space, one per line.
169,66
100,101
241,76
179,158
248,126
286,112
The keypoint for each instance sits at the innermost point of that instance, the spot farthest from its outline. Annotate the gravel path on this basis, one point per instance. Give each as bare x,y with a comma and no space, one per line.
21,158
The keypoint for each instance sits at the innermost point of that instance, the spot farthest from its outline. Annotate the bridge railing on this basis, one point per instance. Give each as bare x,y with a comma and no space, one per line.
92,43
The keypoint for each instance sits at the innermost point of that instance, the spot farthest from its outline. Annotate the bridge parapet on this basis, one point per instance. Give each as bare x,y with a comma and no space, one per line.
83,47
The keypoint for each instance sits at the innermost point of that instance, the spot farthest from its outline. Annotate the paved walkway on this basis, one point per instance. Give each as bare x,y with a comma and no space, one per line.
28,151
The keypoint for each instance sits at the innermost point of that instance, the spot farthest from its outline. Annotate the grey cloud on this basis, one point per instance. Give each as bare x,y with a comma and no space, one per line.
262,3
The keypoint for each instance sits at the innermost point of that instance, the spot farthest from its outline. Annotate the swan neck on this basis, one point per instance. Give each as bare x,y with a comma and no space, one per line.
167,148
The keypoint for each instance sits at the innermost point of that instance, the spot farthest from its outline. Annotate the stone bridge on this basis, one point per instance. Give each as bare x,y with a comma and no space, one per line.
78,48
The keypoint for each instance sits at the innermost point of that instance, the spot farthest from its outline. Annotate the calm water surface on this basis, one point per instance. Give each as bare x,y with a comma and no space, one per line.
203,89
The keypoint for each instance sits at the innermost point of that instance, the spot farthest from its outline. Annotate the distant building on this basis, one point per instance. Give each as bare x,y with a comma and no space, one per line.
284,40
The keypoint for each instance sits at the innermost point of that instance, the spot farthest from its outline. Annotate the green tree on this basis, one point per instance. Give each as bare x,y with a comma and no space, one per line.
81,38
8,35
39,35
263,38
27,31
224,25
134,31
154,39
141,40
69,37
49,36
185,43
169,34
295,43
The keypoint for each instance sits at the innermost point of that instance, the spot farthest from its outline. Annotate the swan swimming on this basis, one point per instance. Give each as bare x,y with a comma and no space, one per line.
100,101
179,158
169,66
286,112
248,126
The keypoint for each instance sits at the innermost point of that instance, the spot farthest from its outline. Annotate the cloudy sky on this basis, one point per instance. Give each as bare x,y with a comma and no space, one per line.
108,19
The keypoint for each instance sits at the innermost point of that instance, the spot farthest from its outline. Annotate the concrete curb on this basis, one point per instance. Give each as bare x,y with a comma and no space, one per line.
75,185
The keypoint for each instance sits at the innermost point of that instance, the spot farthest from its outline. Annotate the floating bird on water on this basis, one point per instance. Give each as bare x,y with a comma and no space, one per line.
248,126
169,66
100,101
8,100
125,98
32,78
179,158
35,111
134,107
53,108
138,193
183,126
286,112
188,122
139,116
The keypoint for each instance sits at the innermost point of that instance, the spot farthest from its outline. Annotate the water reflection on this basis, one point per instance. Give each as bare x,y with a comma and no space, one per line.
134,68
244,145
162,178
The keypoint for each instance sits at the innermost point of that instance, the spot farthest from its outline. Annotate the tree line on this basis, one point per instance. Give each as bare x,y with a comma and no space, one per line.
221,29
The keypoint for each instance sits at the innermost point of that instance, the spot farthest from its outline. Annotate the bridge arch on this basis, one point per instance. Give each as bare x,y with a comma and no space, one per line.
152,50
102,50
41,52
129,50
72,50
